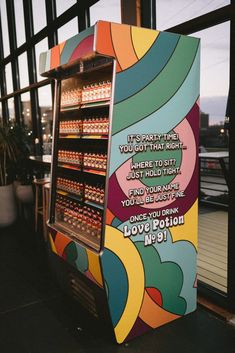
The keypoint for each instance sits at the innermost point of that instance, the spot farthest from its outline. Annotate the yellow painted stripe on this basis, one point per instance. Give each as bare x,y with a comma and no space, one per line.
142,40
128,254
188,231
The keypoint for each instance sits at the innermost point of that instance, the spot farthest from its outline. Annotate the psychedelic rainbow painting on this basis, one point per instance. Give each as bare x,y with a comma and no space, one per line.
147,266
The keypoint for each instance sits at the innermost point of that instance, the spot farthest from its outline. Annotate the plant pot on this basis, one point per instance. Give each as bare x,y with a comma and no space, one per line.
24,193
8,210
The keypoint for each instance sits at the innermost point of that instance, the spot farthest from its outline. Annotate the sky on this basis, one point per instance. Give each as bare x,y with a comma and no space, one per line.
214,42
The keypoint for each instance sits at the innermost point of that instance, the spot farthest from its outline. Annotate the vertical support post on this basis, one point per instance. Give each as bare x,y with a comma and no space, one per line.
231,214
14,63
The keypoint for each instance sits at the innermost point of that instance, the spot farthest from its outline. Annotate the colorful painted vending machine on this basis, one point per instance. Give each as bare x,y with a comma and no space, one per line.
124,190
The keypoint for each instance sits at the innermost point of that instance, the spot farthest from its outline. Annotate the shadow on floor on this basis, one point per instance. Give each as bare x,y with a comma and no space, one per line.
36,317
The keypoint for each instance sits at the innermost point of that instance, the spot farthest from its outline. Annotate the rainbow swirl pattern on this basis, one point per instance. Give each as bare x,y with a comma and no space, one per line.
156,91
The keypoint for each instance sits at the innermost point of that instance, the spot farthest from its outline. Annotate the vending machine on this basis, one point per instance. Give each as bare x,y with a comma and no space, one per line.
124,178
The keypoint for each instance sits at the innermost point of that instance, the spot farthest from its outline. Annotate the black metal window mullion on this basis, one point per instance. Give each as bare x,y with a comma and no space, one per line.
83,16
5,112
51,16
14,63
148,13
32,69
231,219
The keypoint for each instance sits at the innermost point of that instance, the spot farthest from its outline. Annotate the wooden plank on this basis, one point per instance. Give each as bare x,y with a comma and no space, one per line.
213,276
211,268
212,283
213,261
216,240
208,254
212,245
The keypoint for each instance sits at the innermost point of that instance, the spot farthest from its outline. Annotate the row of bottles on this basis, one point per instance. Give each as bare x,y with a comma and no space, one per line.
92,126
71,126
71,97
97,91
96,125
94,194
88,160
71,157
85,220
91,192
70,186
95,161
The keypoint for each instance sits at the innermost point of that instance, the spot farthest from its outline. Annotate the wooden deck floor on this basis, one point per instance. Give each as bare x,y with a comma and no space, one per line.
212,250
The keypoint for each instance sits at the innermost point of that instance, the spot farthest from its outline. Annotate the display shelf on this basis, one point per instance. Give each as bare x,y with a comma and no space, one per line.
70,136
96,104
81,136
66,108
94,204
94,171
95,137
70,195
69,166
71,232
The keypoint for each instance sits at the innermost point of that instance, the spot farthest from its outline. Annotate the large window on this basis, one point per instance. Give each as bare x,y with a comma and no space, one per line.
6,47
171,12
26,98
107,10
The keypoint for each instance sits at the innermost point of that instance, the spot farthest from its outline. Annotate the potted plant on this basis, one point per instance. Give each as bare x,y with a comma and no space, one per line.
13,150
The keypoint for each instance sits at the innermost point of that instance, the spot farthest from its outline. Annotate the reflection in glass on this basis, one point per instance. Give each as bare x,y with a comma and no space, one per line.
11,108
45,104
39,48
214,157
39,15
68,30
9,78
62,6
23,70
20,29
112,11
5,35
26,111
171,12
214,71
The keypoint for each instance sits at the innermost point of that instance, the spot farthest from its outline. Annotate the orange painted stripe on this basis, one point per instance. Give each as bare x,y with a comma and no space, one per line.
60,243
109,217
153,315
61,45
55,57
104,43
122,42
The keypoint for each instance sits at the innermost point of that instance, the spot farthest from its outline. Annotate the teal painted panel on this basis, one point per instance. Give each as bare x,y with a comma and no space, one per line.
160,90
132,80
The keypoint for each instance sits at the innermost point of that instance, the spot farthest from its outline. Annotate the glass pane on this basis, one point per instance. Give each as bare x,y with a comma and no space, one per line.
68,30
39,15
62,6
26,110
9,78
20,29
214,157
23,70
45,104
5,35
108,10
0,112
39,48
11,108
169,15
